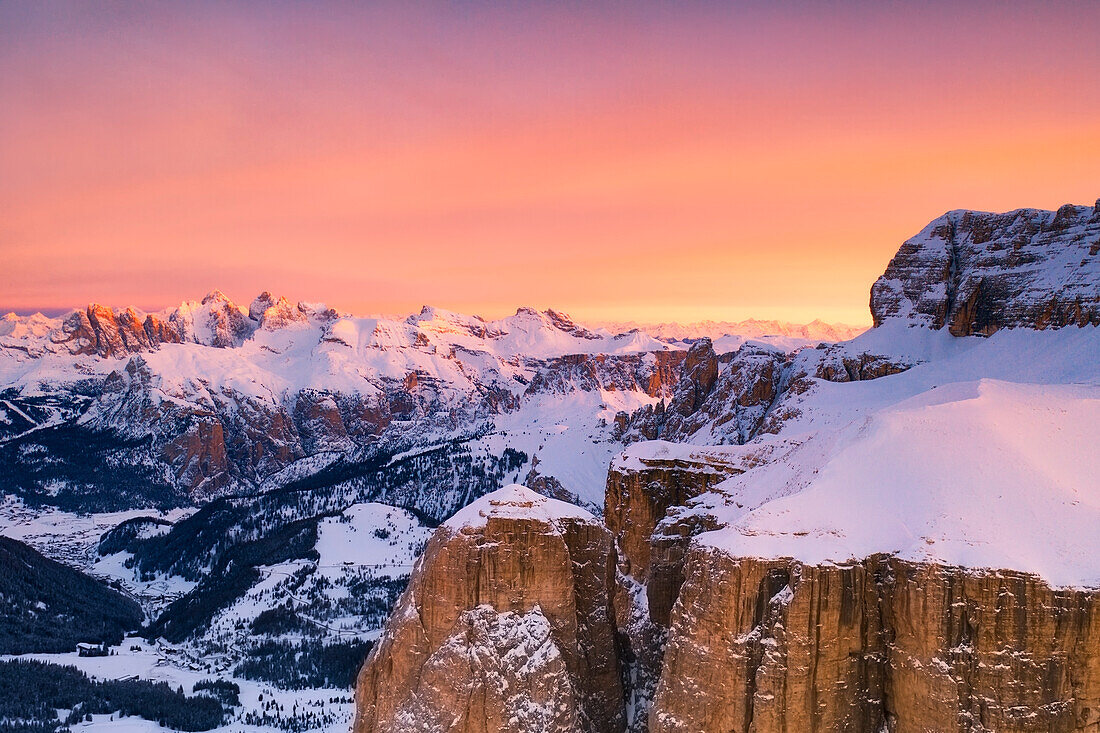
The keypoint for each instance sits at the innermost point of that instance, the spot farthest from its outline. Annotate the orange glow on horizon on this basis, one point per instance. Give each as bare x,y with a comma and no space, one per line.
645,164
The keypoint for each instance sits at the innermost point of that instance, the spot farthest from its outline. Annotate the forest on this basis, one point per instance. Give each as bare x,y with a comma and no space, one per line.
32,693
48,607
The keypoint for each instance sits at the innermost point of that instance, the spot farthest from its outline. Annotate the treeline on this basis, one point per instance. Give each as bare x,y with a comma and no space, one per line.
32,692
48,607
432,484
224,543
296,666
125,535
232,576
69,465
228,693
368,597
311,715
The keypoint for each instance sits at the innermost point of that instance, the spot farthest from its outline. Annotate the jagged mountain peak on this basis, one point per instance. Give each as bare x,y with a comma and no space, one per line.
275,312
217,296
261,303
975,272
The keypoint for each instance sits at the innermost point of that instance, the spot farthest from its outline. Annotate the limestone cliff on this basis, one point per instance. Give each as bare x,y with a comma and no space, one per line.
873,645
506,626
717,399
511,617
642,488
893,534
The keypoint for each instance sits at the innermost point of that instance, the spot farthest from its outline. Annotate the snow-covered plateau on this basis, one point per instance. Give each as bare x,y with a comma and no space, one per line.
982,455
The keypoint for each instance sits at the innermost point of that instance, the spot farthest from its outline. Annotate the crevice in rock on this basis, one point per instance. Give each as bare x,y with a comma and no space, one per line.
954,273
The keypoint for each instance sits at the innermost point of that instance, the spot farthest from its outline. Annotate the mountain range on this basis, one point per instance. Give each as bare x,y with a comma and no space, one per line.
534,524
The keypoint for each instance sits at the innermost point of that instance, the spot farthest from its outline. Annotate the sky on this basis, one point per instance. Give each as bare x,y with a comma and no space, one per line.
616,161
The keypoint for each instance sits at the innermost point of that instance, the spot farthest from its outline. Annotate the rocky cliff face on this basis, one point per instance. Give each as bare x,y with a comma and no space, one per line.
654,374
110,333
489,631
974,273
717,399
879,644
487,628
642,489
506,626
896,617
99,330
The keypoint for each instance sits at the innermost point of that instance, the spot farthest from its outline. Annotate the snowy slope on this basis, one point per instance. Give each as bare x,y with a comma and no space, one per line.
320,709
515,502
981,456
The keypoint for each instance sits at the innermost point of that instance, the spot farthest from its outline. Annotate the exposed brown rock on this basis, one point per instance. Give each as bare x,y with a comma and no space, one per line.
668,549
547,485
838,366
641,649
700,371
505,626
716,399
879,643
763,646
132,332
229,325
160,332
199,454
710,642
636,499
275,312
77,333
99,330
652,373
746,385
990,651
93,331
318,420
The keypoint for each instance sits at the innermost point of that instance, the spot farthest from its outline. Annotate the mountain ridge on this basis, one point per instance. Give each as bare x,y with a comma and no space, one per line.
887,533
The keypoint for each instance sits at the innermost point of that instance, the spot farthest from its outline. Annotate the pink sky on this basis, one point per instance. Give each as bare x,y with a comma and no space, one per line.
622,161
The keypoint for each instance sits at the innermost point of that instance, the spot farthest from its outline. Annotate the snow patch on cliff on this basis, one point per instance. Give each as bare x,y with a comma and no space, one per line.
515,502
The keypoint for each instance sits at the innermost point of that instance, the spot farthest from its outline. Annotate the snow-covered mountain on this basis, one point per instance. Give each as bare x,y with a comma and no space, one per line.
892,530
211,398
896,532
335,443
731,335
976,272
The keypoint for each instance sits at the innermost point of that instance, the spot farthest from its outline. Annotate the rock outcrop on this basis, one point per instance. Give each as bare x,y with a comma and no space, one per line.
215,321
974,272
654,374
514,619
506,626
273,313
717,399
101,331
490,620
880,644
642,489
